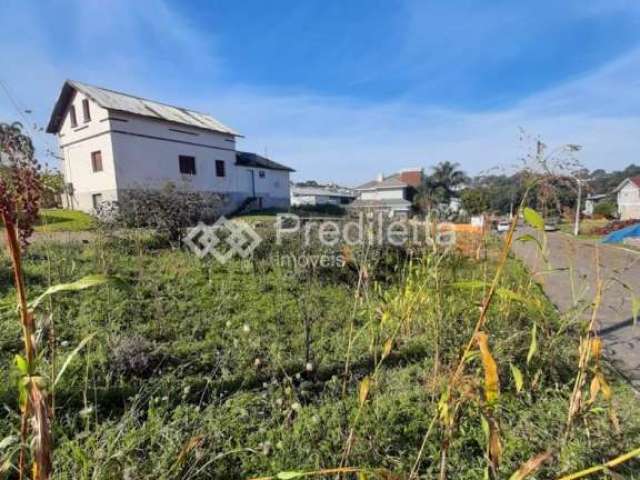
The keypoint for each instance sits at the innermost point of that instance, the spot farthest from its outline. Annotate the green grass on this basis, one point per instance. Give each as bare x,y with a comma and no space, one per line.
587,227
59,220
199,370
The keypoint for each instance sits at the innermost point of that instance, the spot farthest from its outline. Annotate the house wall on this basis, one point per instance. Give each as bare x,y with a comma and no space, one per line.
139,152
383,194
588,207
273,188
76,145
317,200
629,202
297,200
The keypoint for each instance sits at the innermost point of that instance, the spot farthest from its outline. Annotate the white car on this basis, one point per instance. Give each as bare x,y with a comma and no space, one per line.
503,226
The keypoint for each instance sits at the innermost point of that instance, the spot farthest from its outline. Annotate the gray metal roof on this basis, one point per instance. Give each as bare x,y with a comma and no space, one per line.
392,181
324,191
118,101
387,203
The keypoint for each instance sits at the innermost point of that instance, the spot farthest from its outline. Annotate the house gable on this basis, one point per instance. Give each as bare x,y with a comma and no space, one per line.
120,102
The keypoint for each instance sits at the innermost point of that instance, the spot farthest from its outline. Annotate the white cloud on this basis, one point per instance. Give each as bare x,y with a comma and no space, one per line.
340,139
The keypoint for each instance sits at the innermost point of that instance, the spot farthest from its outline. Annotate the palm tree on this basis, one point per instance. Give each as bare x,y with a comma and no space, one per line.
447,177
440,186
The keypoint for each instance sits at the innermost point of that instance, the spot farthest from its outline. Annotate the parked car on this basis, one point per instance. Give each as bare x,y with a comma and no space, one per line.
551,225
503,226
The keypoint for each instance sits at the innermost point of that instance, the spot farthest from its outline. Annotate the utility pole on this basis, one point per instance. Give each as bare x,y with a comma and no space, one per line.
576,227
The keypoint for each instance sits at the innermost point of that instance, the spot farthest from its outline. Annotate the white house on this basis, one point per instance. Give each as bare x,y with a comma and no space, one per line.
629,198
321,195
111,142
591,201
391,194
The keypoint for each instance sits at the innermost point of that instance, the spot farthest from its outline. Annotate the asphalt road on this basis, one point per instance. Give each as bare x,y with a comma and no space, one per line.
570,258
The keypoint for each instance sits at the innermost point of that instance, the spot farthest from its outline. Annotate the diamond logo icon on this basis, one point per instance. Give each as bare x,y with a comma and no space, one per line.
224,239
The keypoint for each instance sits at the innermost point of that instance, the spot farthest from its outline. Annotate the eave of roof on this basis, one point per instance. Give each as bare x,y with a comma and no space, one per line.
248,159
383,203
635,180
131,104
375,185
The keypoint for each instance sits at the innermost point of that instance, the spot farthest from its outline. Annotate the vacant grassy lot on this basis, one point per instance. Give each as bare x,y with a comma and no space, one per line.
200,370
59,220
587,227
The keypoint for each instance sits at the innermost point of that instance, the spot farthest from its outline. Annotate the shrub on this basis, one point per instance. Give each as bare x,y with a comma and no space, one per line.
614,225
168,210
606,208
326,209
133,356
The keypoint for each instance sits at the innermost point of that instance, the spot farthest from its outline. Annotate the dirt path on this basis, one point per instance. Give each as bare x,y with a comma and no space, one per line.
82,236
572,281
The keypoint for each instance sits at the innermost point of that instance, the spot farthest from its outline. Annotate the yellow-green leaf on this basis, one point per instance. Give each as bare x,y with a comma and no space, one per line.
23,366
443,407
533,218
491,380
289,475
529,238
606,389
533,346
363,391
635,309
388,345
85,282
66,363
517,377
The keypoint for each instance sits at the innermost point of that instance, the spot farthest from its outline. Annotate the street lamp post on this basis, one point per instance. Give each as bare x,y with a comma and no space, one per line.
576,226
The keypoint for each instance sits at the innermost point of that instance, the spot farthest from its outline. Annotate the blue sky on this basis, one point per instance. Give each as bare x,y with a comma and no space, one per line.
343,90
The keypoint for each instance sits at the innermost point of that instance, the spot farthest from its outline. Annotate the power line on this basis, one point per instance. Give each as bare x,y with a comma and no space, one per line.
31,124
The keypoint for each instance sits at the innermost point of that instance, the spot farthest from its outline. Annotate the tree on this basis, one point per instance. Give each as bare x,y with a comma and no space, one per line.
440,186
52,188
475,200
606,208
446,178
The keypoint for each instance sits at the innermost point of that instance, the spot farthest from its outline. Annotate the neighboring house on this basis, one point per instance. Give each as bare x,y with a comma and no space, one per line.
112,142
591,201
392,194
321,195
629,198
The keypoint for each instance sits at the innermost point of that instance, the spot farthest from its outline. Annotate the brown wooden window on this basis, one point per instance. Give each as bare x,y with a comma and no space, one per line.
85,110
187,165
96,161
72,116
220,168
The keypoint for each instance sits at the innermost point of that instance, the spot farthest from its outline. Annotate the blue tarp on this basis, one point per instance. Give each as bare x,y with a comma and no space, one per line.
619,235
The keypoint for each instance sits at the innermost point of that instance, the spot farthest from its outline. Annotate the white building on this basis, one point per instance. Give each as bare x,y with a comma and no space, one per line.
392,194
321,195
629,198
591,201
111,142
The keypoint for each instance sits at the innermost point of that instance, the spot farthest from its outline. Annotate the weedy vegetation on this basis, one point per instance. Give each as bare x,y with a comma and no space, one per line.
400,363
